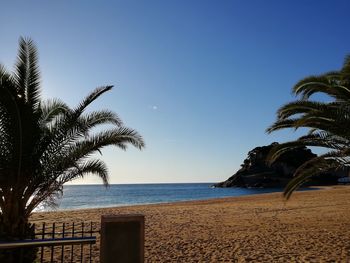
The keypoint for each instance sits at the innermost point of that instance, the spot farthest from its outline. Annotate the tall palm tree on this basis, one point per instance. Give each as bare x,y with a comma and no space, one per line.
328,122
45,144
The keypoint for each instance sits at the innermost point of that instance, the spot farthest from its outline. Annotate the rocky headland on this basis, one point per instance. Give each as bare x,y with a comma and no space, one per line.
255,171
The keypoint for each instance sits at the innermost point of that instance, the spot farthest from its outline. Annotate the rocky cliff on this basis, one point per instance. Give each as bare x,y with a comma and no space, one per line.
255,172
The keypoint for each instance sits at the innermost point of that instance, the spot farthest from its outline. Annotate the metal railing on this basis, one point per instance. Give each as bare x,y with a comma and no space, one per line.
65,242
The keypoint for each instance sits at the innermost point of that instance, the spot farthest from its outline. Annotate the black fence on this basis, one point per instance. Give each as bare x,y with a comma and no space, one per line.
63,242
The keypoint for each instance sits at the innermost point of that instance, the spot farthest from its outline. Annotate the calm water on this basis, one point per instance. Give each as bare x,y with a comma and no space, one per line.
92,196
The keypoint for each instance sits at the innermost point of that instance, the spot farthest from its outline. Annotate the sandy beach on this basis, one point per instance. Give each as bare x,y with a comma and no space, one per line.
313,226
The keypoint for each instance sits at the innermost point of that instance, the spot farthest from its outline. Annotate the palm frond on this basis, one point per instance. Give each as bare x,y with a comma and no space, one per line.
27,76
119,137
101,117
280,149
313,167
90,98
50,109
322,84
282,124
94,166
304,107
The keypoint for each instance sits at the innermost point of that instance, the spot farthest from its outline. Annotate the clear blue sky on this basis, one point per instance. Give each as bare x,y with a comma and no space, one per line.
200,80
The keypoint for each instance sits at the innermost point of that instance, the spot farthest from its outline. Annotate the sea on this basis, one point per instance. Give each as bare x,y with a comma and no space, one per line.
96,196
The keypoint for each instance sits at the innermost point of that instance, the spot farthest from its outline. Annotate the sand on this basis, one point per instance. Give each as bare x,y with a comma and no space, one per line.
313,226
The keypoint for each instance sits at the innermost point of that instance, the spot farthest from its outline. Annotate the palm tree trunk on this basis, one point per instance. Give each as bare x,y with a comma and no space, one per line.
14,225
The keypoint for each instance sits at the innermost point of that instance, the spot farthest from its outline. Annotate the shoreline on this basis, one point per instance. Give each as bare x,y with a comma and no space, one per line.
310,227
310,188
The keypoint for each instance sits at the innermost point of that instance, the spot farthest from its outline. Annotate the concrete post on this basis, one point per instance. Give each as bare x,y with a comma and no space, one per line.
122,239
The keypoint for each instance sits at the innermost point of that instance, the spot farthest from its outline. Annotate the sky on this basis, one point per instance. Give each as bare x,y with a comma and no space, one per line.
199,80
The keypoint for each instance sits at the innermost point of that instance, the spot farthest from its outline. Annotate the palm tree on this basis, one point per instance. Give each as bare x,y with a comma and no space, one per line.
327,121
45,144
